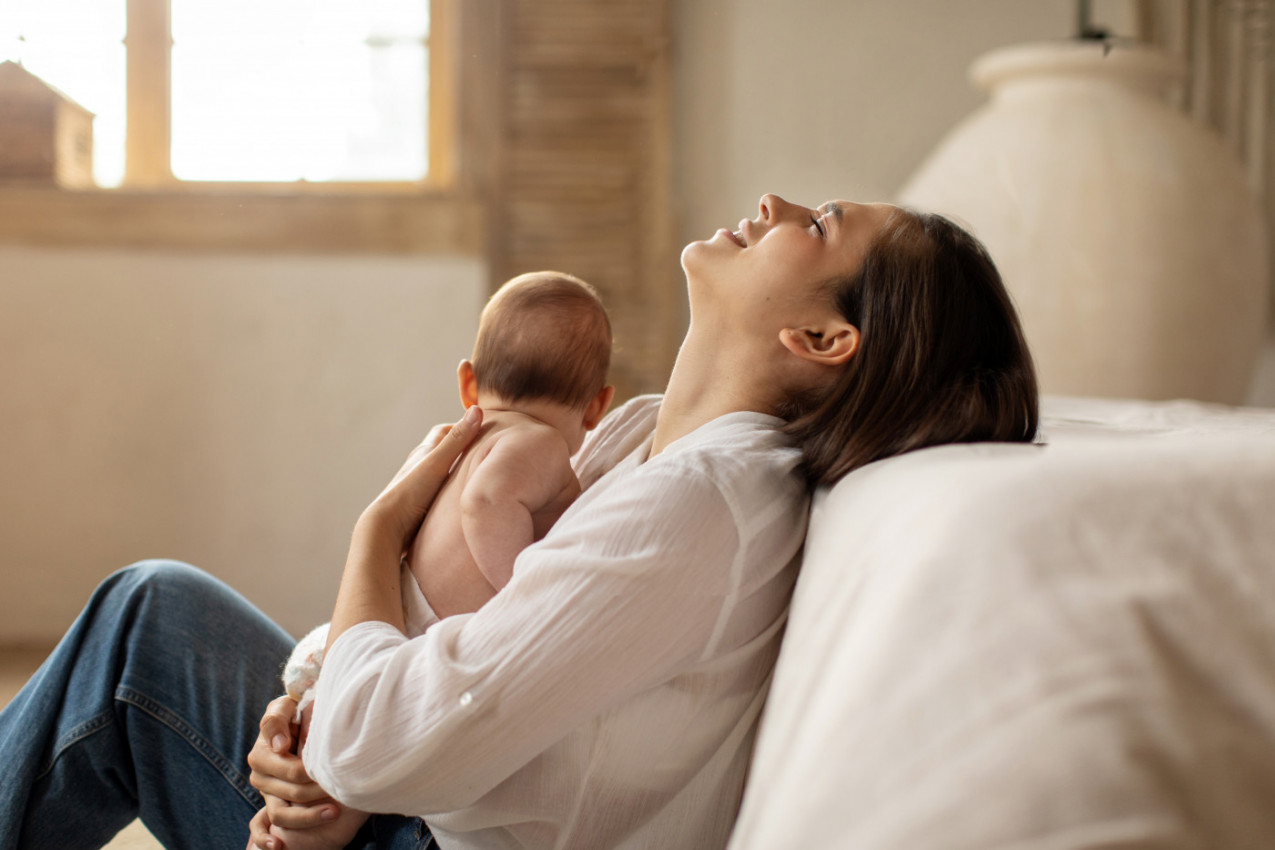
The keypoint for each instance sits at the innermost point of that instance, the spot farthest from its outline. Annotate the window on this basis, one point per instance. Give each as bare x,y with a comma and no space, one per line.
360,176
276,91
78,47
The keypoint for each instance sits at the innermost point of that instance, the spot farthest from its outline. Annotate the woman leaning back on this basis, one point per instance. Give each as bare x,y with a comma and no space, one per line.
609,695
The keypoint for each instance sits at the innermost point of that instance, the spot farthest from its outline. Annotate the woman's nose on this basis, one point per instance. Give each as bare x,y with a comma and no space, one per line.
773,207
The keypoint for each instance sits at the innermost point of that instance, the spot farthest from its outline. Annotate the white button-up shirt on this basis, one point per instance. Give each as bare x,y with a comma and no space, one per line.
608,696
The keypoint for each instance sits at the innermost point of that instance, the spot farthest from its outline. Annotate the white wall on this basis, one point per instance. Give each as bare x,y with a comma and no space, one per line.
234,411
816,99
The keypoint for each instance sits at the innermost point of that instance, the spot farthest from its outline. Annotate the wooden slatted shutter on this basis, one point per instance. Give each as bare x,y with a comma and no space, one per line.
582,181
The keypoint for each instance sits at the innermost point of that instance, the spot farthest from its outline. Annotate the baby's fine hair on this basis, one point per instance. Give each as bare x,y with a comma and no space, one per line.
544,335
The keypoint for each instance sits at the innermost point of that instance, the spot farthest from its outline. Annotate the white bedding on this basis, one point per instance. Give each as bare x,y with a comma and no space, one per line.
1055,646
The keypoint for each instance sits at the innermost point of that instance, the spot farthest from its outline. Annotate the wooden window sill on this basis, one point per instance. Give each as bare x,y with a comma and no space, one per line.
282,219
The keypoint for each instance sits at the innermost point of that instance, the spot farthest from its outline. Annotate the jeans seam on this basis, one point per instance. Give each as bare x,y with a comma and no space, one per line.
179,725
77,734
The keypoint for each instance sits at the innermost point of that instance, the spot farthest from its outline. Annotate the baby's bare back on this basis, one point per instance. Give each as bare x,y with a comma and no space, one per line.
511,449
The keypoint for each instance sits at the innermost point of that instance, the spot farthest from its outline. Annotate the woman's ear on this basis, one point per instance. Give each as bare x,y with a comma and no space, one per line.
827,346
468,384
598,407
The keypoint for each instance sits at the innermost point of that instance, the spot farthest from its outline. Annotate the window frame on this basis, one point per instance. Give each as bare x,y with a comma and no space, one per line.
443,212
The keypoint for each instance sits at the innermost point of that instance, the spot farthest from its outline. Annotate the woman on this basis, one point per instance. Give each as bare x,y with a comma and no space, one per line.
609,695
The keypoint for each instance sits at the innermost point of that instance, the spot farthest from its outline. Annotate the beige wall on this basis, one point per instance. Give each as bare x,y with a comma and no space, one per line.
814,99
236,412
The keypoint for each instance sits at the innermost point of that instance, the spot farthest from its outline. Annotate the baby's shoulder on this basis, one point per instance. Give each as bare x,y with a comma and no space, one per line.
525,443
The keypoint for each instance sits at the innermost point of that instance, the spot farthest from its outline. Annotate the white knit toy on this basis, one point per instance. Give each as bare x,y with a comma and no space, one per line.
302,670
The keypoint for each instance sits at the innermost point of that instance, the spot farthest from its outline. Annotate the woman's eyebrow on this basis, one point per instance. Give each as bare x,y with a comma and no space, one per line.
834,208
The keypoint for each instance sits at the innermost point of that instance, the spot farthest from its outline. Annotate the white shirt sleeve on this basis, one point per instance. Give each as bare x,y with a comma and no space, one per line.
302,669
608,605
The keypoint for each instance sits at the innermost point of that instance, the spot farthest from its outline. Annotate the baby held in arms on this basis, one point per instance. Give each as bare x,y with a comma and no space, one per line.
539,375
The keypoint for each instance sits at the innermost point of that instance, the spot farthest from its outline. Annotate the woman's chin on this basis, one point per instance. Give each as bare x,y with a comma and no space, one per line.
691,254
697,254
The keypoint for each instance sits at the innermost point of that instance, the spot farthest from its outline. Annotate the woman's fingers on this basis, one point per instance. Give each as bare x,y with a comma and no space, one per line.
275,769
305,792
283,767
401,506
282,774
445,443
259,837
267,762
288,816
434,437
277,724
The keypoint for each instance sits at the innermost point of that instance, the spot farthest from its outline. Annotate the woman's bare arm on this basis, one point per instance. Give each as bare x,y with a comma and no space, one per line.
294,800
370,589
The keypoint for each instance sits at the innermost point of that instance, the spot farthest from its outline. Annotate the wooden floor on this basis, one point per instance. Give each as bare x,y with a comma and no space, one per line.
16,666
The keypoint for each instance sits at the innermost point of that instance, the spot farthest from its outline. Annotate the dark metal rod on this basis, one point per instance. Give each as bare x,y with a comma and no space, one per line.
1082,19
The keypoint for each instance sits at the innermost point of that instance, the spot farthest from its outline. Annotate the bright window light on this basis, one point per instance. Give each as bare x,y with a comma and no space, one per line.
76,46
299,89
262,90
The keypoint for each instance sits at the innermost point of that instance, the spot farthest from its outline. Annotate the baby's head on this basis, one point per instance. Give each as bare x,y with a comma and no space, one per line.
545,337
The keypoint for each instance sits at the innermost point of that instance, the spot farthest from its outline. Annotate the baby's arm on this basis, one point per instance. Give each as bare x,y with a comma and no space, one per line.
525,472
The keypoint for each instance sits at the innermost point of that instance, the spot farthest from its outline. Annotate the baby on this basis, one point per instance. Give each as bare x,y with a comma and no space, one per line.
539,375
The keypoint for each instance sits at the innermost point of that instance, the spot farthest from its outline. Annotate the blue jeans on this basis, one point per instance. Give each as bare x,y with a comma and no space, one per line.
147,708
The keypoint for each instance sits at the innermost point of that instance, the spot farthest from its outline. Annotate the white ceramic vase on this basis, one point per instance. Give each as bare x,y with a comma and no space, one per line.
1125,232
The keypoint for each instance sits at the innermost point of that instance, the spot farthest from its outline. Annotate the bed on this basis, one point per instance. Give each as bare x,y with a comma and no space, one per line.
1062,645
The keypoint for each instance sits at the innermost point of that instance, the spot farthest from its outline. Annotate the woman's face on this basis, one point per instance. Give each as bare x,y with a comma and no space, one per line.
774,266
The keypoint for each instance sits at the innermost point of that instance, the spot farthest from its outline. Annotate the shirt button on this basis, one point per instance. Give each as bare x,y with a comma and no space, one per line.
465,699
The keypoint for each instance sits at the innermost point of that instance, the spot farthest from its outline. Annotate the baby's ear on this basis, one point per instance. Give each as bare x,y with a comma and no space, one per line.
468,384
598,407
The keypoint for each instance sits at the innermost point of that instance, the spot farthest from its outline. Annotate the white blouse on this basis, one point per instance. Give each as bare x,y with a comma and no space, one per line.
608,696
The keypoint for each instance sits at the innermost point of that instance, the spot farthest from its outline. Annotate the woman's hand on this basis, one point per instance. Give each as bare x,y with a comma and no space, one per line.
398,511
333,835
299,815
276,769
370,588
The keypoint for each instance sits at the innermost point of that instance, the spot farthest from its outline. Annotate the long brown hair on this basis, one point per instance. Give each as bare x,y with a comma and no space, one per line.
941,359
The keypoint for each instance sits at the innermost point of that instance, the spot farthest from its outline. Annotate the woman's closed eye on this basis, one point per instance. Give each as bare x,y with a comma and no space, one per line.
815,221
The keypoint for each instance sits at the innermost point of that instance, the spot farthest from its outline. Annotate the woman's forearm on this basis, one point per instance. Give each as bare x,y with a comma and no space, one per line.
370,588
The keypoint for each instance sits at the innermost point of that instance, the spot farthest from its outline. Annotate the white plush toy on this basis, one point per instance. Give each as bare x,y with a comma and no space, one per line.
302,670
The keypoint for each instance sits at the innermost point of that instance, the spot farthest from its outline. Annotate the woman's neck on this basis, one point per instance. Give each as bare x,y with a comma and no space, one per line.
709,380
